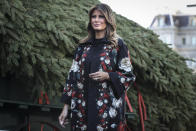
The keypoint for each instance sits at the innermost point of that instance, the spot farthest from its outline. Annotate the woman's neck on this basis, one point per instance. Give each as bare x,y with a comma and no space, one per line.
99,34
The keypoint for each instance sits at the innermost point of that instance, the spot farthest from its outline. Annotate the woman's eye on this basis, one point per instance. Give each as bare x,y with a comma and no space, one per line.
93,16
101,16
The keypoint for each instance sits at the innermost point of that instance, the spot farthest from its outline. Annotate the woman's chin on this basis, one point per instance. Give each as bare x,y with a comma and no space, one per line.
98,29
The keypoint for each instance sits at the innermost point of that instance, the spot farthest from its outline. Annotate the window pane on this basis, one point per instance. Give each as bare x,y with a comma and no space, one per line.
193,40
193,22
183,41
161,21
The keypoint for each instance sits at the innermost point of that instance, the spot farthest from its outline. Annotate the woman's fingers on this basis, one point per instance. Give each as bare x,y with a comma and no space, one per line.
61,120
99,75
93,75
63,116
66,121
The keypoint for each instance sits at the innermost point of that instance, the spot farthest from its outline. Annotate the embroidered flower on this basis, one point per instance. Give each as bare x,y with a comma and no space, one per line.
83,128
128,79
113,126
104,84
107,61
79,114
99,103
69,93
111,92
79,101
125,64
105,101
122,80
116,103
112,112
101,58
74,66
80,85
83,103
79,62
100,69
73,104
105,115
82,72
99,128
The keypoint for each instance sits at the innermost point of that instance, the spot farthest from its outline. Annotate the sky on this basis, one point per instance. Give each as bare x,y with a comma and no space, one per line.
143,11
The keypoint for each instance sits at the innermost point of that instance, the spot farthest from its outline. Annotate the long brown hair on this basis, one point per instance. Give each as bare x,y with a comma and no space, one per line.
111,34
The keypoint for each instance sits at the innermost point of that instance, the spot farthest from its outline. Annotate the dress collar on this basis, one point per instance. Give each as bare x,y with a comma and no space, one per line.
94,41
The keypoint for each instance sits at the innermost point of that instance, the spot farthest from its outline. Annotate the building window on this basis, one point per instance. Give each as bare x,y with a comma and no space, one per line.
193,21
161,21
194,41
184,41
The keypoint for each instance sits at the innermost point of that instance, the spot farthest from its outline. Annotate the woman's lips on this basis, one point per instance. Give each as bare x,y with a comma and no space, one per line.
96,25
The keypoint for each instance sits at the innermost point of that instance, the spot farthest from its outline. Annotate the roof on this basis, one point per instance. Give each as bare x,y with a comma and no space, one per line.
179,20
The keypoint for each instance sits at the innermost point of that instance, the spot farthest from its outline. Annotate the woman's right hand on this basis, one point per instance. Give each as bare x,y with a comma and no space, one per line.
63,120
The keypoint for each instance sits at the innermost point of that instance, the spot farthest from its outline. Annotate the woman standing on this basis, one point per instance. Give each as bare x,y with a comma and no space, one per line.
100,73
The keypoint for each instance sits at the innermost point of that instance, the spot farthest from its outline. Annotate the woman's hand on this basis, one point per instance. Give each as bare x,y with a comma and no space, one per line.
99,76
63,116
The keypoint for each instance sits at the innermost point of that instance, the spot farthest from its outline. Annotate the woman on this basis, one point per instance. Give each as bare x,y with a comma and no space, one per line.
100,73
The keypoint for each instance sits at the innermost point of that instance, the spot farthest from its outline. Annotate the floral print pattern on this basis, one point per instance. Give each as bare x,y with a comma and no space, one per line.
98,105
125,64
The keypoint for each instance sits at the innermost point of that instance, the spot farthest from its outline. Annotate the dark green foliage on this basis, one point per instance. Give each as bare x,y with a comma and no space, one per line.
192,125
37,40
162,76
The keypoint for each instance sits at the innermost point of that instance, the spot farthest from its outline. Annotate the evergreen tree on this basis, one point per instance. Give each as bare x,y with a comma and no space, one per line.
37,40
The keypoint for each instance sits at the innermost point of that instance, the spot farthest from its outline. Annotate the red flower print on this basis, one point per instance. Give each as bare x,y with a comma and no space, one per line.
103,54
101,111
105,95
102,120
73,93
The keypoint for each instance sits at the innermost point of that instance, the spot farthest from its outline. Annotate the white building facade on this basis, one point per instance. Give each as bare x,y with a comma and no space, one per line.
179,32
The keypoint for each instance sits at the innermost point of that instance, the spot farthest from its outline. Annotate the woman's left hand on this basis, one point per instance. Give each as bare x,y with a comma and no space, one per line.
99,76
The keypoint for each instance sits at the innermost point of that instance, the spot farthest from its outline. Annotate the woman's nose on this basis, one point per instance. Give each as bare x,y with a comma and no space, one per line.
97,18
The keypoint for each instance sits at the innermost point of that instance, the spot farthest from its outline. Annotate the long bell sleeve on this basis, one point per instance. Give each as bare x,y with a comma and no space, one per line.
74,74
123,76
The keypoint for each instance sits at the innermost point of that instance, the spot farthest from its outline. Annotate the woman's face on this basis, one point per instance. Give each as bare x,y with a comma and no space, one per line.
98,21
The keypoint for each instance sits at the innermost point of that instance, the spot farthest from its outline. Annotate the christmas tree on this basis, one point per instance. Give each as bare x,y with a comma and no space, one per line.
37,40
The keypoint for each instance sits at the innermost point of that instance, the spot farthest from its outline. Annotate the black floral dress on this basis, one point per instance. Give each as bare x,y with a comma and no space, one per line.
98,105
